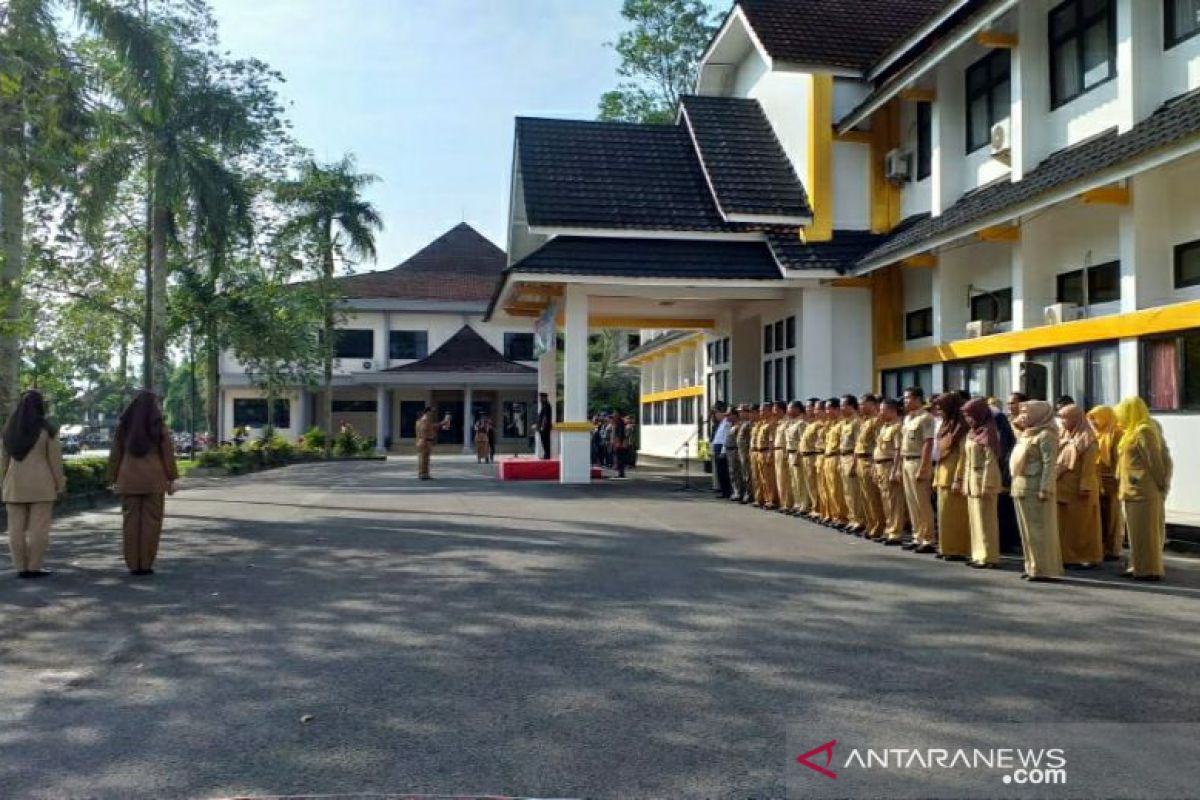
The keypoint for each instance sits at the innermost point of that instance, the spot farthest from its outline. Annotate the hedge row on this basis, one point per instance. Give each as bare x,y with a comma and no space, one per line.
272,450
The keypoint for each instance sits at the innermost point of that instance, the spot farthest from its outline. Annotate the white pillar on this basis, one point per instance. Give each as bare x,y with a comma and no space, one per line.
575,445
300,414
382,419
468,420
547,384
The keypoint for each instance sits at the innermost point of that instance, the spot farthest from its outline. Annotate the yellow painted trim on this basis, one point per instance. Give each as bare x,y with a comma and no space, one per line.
885,195
573,427
1148,322
918,95
920,261
1106,195
854,137
673,394
820,159
851,283
994,39
628,323
999,233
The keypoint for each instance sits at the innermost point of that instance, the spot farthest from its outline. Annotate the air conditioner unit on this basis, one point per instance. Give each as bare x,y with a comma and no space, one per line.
1062,312
980,327
1001,144
898,166
368,365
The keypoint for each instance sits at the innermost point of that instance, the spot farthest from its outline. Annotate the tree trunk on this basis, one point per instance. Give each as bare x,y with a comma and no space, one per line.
212,368
330,342
159,366
12,270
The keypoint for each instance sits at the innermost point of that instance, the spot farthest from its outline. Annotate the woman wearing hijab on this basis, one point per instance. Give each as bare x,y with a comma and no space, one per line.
979,478
1033,483
142,467
954,527
1144,470
1078,491
1010,531
32,468
1112,520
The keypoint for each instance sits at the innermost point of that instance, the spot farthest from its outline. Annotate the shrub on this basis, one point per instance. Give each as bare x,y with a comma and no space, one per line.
216,457
313,439
348,443
86,475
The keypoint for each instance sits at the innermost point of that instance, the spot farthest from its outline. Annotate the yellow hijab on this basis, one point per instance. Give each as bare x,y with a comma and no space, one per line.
1134,417
1104,422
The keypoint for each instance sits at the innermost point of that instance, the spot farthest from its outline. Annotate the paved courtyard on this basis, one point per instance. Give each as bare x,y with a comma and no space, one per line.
345,628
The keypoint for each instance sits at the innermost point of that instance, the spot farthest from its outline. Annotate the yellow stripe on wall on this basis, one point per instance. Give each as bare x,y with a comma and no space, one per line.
673,394
820,159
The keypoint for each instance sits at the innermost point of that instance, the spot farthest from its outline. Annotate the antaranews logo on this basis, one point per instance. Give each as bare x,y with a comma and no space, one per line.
1021,766
827,749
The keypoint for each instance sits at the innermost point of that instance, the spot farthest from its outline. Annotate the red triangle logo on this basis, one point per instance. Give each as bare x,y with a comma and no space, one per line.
827,749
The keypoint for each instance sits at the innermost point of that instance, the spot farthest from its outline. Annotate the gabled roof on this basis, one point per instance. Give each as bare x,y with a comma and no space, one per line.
746,166
460,265
1174,122
850,34
657,343
651,258
840,254
466,351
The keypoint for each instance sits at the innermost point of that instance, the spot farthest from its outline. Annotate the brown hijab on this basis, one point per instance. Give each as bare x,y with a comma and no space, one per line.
954,425
984,431
141,424
1077,437
25,425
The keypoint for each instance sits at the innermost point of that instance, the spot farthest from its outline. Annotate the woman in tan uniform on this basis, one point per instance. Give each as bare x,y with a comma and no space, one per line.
1033,482
1144,470
981,480
1112,519
1078,491
142,468
954,528
31,469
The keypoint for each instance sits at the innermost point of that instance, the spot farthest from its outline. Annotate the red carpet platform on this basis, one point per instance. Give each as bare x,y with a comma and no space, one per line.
533,469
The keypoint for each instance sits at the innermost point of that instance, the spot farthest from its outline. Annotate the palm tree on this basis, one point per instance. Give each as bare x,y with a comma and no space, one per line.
329,214
42,119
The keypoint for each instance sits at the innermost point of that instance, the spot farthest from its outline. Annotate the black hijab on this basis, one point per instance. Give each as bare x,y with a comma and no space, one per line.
25,425
141,424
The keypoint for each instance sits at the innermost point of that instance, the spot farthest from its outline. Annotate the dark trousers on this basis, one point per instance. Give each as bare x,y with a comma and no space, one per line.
724,484
618,454
142,521
544,435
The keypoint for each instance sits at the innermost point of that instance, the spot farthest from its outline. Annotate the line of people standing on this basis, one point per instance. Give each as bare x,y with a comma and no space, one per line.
1065,487
613,444
141,470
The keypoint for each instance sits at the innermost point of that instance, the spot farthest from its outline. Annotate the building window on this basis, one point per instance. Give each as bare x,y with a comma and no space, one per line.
632,341
989,97
1171,372
1102,285
672,412
647,413
924,140
779,378
518,346
1181,20
895,381
354,406
768,339
1089,375
405,345
658,412
1187,263
687,411
249,412
918,324
355,343
768,381
992,306
1083,48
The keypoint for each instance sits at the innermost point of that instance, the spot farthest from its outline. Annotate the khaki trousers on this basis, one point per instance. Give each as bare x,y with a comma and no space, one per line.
142,521
812,477
770,494
29,534
800,500
872,500
918,496
1147,534
850,491
892,495
1112,519
423,453
783,479
1038,520
746,458
985,528
833,489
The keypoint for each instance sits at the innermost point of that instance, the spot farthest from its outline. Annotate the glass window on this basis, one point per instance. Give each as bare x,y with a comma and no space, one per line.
647,413
1161,374
408,344
672,412
251,412
355,343
768,339
1105,387
925,140
768,381
790,332
992,306
780,380
1187,262
1103,285
1070,287
918,324
924,378
1072,375
725,350
956,377
978,379
518,346
353,406
988,98
687,411
1181,20
1083,48
1046,360
791,378
1002,378
779,338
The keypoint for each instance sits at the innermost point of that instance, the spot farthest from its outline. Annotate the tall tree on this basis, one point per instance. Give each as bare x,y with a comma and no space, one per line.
328,215
659,54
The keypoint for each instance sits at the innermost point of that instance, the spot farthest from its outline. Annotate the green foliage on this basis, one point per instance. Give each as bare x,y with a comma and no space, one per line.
659,55
313,439
349,442
86,475
610,386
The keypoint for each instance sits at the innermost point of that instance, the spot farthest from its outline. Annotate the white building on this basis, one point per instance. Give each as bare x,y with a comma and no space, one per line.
412,337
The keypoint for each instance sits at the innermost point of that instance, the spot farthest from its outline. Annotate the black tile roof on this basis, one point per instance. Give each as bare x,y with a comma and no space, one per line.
1173,122
466,351
840,254
851,34
651,258
744,161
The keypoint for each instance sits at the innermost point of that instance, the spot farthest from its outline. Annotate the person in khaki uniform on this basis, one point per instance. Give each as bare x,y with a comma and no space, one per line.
142,469
795,465
1112,519
848,466
888,472
31,473
770,492
980,478
871,501
1078,491
839,515
783,463
954,527
427,433
1033,483
810,457
756,454
916,450
746,453
1145,471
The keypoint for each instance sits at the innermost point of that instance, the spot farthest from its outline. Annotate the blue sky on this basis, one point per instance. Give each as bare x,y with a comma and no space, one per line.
424,93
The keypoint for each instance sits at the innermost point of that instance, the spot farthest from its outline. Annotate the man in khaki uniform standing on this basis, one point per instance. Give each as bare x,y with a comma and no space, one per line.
783,461
746,452
795,430
846,441
838,514
427,433
864,450
888,471
810,455
766,446
916,448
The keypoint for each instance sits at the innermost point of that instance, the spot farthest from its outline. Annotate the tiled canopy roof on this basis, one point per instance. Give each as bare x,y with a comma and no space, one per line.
460,265
748,170
1174,122
834,33
466,351
651,258
839,254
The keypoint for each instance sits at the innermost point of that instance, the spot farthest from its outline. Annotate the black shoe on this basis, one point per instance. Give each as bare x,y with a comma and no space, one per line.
958,559
893,543
141,572
909,546
1112,558
1149,578
36,573
1041,579
925,548
24,573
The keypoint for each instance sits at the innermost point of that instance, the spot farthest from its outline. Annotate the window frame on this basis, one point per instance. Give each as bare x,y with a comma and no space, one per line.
340,334
1054,371
421,338
1002,307
990,83
926,313
1088,274
1078,33
510,337
282,411
1179,250
1171,38
1179,337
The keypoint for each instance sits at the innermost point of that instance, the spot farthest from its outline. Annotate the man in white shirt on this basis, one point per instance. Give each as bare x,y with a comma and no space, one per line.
720,457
